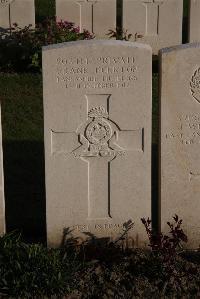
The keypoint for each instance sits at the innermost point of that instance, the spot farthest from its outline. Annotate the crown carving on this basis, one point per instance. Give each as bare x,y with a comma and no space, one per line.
5,2
98,112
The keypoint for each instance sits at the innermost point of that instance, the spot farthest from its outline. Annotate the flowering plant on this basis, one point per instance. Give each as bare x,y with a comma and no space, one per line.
21,48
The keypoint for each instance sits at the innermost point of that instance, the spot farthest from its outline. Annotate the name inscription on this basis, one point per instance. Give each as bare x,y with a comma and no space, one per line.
99,72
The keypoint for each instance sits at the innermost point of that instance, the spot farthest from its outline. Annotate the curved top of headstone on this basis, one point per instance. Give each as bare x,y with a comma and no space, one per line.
180,47
5,2
98,43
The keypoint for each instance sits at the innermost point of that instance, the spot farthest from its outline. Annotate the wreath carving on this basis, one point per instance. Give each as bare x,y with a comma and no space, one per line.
195,85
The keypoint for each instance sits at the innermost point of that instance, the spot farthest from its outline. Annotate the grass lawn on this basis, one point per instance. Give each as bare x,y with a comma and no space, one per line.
22,121
21,96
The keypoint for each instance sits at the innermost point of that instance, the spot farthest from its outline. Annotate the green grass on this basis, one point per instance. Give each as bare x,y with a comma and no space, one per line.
22,111
22,122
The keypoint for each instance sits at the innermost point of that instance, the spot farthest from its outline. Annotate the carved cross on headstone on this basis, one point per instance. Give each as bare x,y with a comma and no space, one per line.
87,12
100,141
7,3
152,16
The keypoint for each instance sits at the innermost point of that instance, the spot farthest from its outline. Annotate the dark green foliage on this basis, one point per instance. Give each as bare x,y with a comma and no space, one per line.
119,34
166,246
94,270
138,274
33,270
22,111
22,50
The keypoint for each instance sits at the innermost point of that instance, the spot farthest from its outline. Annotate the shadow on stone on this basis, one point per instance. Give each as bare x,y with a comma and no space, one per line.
90,239
25,191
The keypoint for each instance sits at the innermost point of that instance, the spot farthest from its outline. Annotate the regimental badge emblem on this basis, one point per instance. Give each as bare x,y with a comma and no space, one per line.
96,136
195,85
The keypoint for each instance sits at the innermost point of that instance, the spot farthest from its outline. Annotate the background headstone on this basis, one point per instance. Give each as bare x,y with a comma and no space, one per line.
97,118
155,22
97,16
180,138
21,12
2,200
194,21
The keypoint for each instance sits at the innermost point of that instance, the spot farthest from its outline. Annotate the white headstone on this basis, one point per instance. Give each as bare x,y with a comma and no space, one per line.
2,200
155,22
97,118
21,12
97,16
194,21
180,138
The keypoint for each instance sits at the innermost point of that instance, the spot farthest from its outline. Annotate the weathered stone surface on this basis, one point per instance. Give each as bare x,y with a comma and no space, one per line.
2,200
21,12
180,138
194,21
97,118
97,16
4,15
155,22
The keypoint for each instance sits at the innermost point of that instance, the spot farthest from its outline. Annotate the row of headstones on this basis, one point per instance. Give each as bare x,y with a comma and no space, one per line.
97,124
157,23
20,12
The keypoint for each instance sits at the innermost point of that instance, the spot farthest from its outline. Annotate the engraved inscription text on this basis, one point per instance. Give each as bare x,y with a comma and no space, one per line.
99,72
